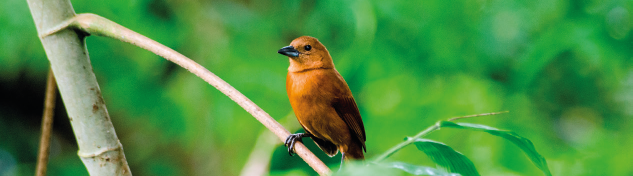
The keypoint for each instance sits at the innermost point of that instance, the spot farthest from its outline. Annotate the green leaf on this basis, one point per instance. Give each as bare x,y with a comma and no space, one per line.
446,157
418,170
523,143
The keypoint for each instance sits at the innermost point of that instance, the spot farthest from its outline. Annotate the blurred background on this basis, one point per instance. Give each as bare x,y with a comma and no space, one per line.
564,70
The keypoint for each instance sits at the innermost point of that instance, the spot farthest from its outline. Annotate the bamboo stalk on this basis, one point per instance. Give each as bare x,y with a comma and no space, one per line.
99,147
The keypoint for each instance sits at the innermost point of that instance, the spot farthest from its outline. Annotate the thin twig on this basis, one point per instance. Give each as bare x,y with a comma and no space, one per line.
47,124
425,132
477,115
97,25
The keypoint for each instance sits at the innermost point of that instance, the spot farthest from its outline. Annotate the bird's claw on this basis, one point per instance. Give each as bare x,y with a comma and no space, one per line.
290,142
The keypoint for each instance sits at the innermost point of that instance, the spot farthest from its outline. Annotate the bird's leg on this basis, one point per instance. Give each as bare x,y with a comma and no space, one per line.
342,159
290,141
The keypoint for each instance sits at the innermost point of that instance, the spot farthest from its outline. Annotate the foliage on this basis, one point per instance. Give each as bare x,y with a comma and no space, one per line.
420,170
449,161
523,143
446,157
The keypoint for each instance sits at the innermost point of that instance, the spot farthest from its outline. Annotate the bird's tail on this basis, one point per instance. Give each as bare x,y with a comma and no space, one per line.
354,152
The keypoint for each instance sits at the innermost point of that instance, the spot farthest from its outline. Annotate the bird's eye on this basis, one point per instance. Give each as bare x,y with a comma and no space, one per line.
307,47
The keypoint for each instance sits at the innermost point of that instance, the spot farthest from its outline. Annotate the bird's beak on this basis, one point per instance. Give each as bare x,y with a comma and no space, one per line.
289,51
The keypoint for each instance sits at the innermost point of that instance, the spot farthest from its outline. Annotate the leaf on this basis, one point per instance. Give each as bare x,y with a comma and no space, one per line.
446,157
418,170
523,143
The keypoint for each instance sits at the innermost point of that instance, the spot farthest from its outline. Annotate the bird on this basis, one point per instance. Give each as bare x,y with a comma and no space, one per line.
322,101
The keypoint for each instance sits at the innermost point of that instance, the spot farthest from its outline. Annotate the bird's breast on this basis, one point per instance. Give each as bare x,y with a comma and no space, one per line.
306,89
319,85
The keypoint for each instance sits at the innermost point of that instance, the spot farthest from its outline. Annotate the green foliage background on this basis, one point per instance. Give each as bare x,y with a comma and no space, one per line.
564,70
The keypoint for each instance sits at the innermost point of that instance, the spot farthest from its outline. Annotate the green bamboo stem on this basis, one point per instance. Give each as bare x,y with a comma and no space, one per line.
99,147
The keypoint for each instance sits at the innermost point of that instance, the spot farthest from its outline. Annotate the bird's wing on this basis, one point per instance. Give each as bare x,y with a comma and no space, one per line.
346,109
328,147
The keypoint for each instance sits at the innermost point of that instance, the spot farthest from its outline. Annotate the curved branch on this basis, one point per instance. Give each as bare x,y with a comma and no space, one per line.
97,25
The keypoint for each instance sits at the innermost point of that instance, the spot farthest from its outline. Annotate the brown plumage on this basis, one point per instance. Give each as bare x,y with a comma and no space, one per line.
322,101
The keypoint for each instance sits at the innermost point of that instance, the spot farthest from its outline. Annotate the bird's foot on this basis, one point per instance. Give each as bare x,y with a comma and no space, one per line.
290,141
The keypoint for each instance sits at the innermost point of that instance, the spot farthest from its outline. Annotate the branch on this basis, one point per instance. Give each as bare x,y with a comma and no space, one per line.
66,51
47,124
425,132
97,25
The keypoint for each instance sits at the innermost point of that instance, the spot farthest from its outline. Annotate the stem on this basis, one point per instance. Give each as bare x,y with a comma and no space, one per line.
47,124
407,142
97,25
99,147
425,132
477,115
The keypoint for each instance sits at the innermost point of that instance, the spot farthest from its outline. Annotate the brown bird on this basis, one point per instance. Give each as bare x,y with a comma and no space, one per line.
322,101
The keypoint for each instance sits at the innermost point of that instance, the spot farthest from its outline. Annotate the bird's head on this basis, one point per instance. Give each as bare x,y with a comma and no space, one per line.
307,53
